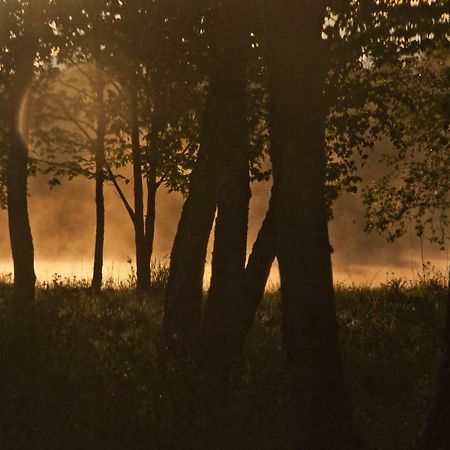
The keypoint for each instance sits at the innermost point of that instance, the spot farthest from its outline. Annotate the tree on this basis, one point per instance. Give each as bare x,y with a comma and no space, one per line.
230,141
297,125
235,101
415,189
70,135
164,97
19,72
143,109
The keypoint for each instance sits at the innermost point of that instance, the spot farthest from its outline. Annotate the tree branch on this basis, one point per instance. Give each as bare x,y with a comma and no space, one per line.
74,120
121,193
76,89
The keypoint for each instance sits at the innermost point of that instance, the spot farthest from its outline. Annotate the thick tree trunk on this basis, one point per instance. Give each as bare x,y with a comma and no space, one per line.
257,273
436,432
183,303
297,69
99,183
229,95
17,175
142,260
22,430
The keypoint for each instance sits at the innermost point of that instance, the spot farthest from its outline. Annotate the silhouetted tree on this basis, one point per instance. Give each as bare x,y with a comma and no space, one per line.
23,50
100,161
230,134
146,115
71,119
298,66
415,189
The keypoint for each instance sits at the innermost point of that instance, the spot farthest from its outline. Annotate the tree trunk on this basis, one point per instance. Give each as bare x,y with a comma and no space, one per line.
229,97
150,218
22,335
257,272
182,310
297,68
436,432
142,260
17,175
153,162
99,183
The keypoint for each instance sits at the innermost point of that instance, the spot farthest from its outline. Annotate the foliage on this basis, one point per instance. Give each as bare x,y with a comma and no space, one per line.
370,44
102,377
65,116
415,187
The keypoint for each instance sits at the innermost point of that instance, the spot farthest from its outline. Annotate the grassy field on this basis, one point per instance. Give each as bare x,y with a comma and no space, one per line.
95,374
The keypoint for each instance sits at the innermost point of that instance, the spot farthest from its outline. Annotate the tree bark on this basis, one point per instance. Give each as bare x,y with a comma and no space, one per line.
321,417
183,302
99,184
257,271
142,259
22,335
436,432
17,173
229,96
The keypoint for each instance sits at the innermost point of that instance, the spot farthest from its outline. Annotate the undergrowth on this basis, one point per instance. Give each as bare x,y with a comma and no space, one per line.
93,372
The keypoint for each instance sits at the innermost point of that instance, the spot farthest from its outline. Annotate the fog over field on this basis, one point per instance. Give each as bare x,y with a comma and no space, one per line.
63,225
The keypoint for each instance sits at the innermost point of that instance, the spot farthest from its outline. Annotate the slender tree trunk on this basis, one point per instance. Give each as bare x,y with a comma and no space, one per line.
229,93
297,69
150,218
142,261
99,183
17,175
257,272
153,155
436,432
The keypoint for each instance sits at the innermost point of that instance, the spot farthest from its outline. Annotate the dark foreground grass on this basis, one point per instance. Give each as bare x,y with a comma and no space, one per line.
95,374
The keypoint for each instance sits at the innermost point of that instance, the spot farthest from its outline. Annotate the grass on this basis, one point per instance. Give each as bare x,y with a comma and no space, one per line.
97,374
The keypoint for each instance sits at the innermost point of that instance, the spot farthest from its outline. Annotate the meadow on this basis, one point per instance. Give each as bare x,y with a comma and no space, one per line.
93,372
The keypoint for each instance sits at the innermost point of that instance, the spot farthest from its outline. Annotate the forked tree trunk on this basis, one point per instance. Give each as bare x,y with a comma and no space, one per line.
436,433
257,272
17,174
297,69
99,184
229,95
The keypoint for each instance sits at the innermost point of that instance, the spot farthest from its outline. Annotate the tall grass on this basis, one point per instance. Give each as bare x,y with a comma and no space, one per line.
99,376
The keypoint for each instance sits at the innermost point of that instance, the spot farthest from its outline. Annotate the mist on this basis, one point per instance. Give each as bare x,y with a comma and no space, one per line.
63,225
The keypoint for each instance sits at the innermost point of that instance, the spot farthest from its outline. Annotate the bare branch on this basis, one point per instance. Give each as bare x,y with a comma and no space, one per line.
75,120
76,89
121,194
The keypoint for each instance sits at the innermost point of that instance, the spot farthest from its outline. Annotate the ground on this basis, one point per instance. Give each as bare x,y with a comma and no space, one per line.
95,373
